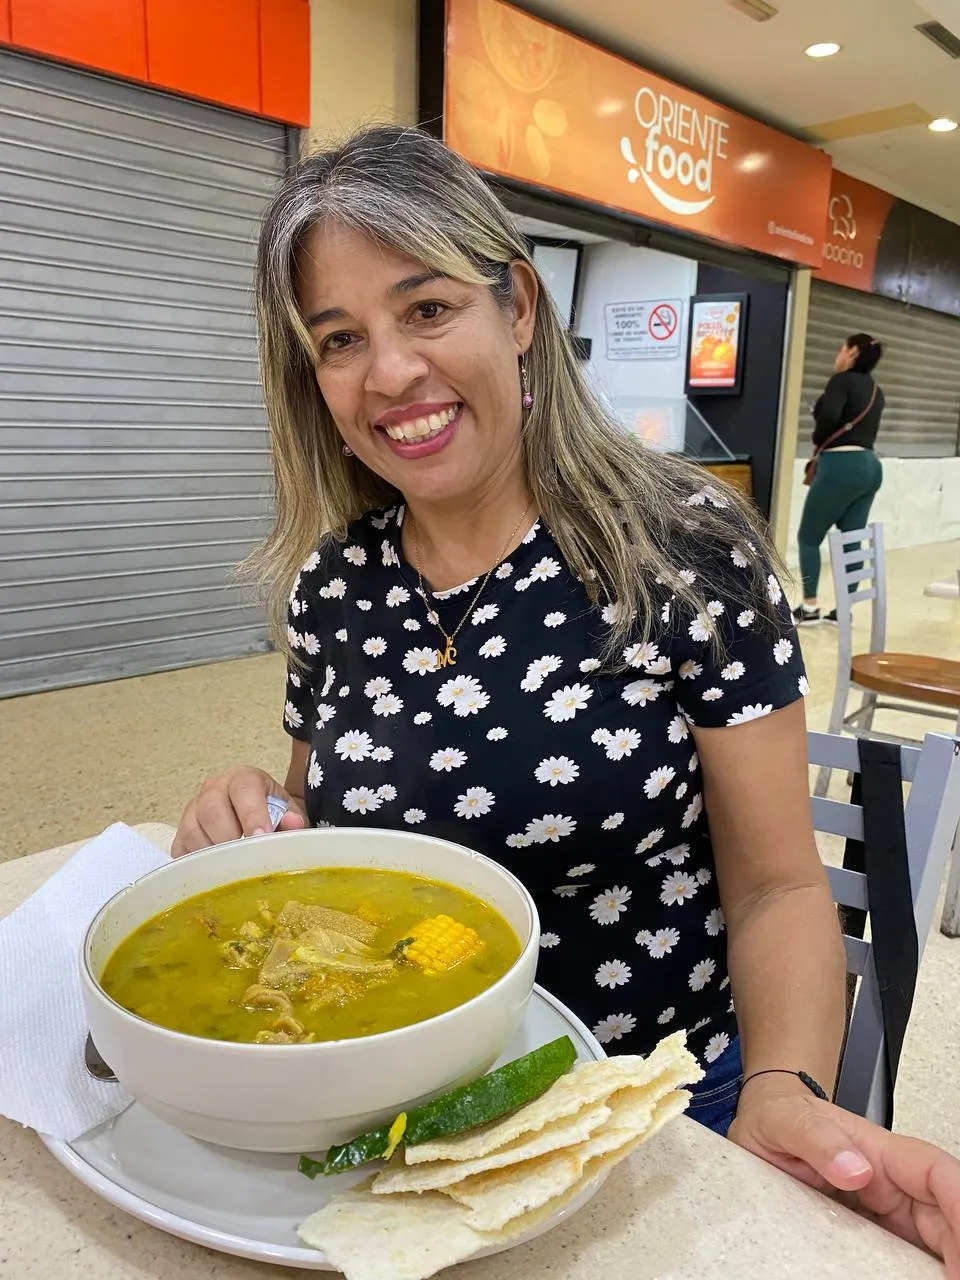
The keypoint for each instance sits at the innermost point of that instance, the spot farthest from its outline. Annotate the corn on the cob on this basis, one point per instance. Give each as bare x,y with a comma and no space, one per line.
439,943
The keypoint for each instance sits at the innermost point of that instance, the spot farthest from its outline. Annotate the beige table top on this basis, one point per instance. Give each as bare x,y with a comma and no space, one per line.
690,1206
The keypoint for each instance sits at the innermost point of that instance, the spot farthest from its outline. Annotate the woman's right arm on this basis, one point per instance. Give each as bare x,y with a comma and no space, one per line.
234,804
828,413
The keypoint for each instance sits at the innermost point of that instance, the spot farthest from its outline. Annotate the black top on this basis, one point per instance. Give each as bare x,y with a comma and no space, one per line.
585,784
846,396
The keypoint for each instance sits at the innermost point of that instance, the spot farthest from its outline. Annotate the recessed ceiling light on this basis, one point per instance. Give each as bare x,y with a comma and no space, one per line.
825,50
942,125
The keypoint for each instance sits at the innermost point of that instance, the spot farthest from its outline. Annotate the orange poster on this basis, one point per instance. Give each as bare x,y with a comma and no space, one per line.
716,338
529,101
856,216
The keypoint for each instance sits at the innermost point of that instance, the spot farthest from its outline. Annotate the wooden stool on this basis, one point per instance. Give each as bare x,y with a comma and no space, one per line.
909,675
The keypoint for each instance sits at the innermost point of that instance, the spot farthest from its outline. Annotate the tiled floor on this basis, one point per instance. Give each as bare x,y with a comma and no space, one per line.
137,749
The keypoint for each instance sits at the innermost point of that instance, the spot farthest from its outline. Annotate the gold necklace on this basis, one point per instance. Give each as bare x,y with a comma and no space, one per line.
449,656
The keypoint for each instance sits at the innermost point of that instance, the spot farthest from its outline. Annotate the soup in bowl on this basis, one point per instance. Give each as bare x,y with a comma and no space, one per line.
284,992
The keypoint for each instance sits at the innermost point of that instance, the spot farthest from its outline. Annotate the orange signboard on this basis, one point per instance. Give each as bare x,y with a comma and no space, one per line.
716,341
856,217
529,101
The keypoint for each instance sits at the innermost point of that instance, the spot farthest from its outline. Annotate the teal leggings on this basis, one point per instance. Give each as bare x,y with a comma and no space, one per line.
842,494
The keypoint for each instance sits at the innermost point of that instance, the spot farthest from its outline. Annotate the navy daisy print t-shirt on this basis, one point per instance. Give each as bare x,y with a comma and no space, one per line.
585,783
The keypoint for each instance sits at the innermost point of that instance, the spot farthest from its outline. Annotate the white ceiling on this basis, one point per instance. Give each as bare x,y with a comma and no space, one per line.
761,68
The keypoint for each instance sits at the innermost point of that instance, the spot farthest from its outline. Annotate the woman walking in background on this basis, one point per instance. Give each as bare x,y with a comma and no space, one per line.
846,472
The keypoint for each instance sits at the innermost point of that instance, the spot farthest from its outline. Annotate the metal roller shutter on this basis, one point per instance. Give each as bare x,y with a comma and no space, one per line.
134,466
920,373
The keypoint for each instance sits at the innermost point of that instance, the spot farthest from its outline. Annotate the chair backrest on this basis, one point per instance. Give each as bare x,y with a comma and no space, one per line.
857,559
931,813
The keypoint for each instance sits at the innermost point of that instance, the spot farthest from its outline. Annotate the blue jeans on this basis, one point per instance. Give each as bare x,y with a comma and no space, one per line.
715,1098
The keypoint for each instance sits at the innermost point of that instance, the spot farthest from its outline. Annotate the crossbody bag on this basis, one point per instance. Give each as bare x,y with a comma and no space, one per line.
810,470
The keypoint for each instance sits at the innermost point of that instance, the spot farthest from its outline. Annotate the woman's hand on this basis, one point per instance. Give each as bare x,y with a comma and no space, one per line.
912,1188
233,805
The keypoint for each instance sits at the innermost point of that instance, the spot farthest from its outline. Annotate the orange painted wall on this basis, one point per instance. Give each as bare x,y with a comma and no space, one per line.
253,55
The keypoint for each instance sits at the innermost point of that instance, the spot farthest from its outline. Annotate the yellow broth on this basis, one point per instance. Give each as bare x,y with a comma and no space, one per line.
174,970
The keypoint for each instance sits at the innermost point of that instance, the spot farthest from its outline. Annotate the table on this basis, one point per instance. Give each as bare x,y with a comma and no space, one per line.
942,590
690,1206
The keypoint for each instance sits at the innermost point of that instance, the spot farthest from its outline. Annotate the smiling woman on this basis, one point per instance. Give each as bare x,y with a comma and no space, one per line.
615,714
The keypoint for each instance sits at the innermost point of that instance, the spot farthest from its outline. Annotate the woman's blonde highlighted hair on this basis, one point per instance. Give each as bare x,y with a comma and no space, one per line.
626,519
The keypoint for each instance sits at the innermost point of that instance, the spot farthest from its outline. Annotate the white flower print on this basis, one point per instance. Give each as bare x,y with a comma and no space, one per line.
701,628
433,618
411,624
698,1026
532,535
688,576
701,975
589,665
712,695
486,613
356,555
565,890
386,792
738,558
388,553
544,569
623,742
663,942
659,667
474,803
312,562
294,639
644,938
614,1026
610,824
549,940
566,702
733,671
694,763
354,745
422,717
648,841
365,605
448,759
668,1015
519,842
552,826
803,684
610,613
324,713
388,705
455,591
375,647
335,589
746,619
678,730
725,983
678,888
361,800
655,861
530,684
417,662
377,687
638,655
495,647
665,613
755,712
681,791
704,875
496,734
341,635
658,781
640,692
692,812
715,923
583,869
557,771
397,596
690,670
609,906
329,678
774,590
715,609
678,854
315,772
381,754
613,973
716,1046
600,737
295,606
504,571
381,522
294,679
521,584
471,704
292,716
538,671
782,652
555,619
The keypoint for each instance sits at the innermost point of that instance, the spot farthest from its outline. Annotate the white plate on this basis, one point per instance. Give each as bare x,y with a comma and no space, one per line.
248,1203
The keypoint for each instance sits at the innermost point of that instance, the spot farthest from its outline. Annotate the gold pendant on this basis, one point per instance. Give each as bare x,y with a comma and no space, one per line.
449,656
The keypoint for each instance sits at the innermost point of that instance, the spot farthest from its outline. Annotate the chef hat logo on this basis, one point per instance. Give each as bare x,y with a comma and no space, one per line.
842,216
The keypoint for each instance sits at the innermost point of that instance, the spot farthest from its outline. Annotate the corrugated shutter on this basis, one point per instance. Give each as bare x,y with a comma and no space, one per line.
134,467
920,373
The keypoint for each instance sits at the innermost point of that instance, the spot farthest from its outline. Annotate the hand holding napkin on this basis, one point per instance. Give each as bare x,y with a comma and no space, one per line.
43,1081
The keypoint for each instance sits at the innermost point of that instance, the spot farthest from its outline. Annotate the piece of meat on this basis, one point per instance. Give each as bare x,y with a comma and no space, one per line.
260,997
289,1024
296,918
274,1037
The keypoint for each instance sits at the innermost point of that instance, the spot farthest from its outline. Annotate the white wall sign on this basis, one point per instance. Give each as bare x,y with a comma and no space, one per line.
650,330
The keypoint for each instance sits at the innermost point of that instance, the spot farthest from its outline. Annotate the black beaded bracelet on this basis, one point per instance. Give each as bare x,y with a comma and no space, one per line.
801,1076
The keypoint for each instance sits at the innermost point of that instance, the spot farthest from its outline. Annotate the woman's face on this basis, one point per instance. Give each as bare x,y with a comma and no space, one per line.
419,371
846,358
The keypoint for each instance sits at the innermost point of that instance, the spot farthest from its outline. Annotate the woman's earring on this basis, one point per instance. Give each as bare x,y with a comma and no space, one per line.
347,451
526,399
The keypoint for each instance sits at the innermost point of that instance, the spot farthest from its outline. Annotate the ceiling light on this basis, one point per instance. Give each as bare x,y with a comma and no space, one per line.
942,125
826,50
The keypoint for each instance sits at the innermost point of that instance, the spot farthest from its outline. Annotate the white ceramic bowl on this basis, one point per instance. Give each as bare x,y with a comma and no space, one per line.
305,1097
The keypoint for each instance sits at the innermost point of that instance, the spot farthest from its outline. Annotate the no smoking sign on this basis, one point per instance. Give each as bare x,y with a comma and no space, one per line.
647,330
